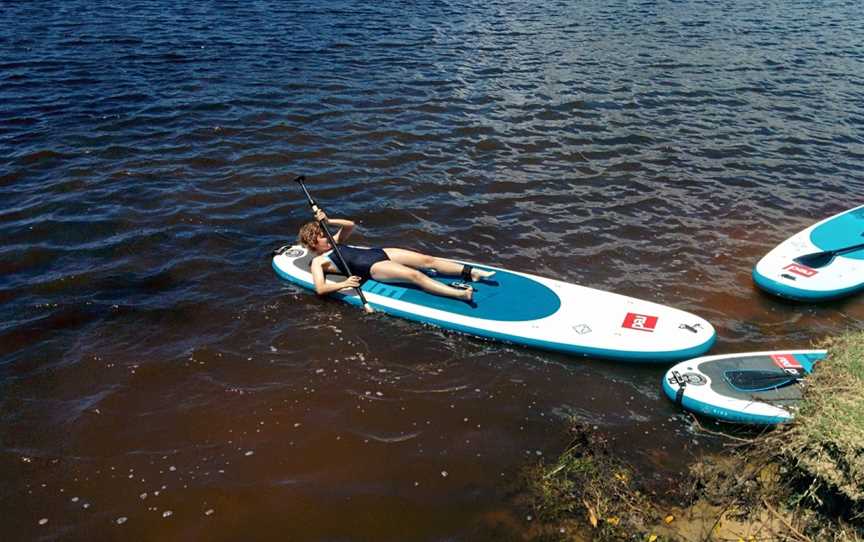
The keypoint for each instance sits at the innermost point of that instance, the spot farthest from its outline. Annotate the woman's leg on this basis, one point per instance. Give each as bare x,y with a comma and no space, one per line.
417,260
395,271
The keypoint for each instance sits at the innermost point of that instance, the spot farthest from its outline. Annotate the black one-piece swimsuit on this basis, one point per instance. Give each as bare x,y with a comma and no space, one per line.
359,260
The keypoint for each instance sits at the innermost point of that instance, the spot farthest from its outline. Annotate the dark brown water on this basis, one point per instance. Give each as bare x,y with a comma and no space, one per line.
159,382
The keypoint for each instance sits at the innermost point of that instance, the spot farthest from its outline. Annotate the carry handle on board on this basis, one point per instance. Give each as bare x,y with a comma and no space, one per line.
821,259
315,208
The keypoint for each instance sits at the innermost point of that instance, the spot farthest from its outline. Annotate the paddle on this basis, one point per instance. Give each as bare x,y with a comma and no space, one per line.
821,259
299,180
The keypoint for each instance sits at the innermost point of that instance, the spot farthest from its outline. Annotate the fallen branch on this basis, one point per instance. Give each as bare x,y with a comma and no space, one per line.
717,433
801,537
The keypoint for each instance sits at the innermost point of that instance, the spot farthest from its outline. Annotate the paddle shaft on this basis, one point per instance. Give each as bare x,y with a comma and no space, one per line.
324,227
853,248
819,259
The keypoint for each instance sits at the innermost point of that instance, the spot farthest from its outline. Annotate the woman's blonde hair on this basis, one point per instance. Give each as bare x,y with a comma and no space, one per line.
309,234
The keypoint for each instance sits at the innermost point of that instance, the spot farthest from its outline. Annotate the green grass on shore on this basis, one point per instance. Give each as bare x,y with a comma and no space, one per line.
826,441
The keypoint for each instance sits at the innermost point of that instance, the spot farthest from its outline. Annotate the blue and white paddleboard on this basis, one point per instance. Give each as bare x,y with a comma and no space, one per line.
759,388
533,311
779,274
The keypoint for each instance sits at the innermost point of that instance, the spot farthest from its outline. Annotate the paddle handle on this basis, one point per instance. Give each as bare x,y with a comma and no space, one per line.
301,181
315,208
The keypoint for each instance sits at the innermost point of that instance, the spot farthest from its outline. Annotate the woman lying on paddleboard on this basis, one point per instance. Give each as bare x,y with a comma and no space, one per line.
381,264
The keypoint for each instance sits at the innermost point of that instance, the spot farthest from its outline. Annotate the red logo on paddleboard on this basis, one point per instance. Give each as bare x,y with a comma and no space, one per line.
799,269
642,322
785,361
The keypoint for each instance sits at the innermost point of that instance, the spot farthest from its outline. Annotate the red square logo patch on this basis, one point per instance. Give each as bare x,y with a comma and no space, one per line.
785,361
642,322
799,269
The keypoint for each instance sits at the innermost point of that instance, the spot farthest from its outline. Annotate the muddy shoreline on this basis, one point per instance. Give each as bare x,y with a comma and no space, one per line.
800,481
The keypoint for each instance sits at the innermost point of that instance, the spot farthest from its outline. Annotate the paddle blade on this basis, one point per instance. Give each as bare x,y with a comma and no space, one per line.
816,259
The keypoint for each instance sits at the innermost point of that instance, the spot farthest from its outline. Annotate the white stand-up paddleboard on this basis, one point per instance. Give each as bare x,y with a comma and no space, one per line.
533,311
780,274
751,388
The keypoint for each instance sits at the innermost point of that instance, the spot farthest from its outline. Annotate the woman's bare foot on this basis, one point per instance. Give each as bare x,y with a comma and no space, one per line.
480,274
466,292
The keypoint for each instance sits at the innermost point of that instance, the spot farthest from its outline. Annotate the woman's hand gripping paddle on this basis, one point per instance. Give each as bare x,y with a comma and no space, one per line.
299,180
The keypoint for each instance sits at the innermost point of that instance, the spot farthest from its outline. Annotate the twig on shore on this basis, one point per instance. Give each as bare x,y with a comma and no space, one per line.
800,536
718,434
592,515
739,482
716,521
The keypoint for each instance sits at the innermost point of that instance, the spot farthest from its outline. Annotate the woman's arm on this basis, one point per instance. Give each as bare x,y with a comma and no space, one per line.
322,287
346,227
